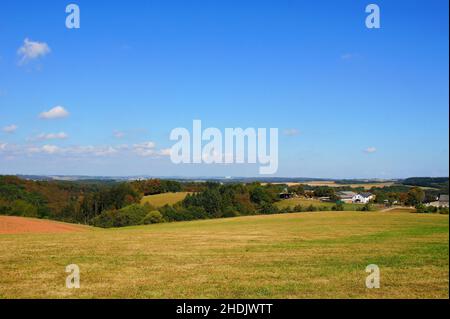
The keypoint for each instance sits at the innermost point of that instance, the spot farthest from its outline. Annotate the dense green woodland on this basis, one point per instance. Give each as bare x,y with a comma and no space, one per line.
115,204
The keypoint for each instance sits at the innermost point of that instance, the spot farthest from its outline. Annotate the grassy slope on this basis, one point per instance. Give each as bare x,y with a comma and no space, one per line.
292,202
279,256
159,200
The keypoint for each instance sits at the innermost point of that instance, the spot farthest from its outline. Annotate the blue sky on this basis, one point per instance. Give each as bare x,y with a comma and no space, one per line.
349,102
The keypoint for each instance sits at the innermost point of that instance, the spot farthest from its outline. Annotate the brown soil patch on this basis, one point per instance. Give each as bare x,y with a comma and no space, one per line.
18,225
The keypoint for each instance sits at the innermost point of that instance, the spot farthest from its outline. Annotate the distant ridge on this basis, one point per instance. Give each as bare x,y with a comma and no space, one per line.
223,179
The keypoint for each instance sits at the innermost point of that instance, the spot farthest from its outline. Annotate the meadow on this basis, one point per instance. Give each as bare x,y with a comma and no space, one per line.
296,255
306,202
159,200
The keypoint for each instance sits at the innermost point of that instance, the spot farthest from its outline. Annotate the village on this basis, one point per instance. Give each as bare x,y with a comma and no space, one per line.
352,197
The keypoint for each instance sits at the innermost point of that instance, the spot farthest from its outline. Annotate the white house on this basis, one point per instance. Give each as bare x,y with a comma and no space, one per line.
352,197
363,198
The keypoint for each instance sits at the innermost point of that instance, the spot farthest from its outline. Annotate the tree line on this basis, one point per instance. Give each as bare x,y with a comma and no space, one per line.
114,204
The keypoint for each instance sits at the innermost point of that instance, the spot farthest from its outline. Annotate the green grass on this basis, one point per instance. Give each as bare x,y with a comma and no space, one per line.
300,255
292,202
159,200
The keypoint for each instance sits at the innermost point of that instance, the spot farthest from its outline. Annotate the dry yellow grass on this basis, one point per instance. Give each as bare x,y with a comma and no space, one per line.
159,200
304,255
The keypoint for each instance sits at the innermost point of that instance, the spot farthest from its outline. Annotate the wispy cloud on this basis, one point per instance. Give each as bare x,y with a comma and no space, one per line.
165,152
54,113
291,132
10,128
50,136
72,150
31,50
145,148
349,56
370,149
118,134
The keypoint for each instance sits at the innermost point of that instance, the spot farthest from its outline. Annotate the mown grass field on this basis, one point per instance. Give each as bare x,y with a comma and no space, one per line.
160,200
300,255
292,202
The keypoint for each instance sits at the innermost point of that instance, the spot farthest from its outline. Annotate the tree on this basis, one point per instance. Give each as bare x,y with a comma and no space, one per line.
415,196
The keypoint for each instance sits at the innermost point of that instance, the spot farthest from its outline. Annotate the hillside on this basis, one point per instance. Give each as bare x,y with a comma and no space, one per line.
298,255
159,200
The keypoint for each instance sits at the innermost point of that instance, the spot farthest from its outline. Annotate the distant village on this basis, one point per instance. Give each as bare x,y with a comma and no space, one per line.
362,198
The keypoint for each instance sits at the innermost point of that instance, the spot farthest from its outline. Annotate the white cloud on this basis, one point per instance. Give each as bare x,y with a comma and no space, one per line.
105,151
50,149
90,150
54,113
145,149
10,128
73,150
165,152
371,149
31,50
346,56
349,56
50,136
291,132
118,134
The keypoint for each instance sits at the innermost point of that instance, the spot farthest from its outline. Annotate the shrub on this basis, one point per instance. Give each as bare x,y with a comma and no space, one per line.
366,208
286,210
268,209
421,208
338,207
230,212
127,216
153,217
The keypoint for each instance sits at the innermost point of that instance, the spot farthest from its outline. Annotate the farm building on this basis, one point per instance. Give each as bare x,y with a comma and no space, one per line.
346,196
441,202
363,198
352,197
285,194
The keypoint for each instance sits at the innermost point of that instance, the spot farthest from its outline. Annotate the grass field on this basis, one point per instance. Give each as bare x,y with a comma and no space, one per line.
334,184
292,202
320,255
159,200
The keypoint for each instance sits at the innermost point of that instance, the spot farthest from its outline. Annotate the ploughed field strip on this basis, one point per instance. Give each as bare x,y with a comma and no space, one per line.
296,255
18,225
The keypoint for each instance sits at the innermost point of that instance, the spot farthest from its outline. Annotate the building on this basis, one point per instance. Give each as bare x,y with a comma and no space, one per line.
352,197
441,202
285,194
363,198
346,196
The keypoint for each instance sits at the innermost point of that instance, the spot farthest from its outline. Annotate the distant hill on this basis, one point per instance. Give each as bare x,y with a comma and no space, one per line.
439,183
